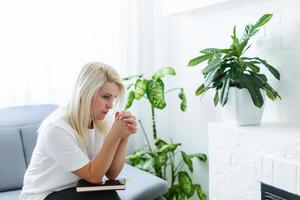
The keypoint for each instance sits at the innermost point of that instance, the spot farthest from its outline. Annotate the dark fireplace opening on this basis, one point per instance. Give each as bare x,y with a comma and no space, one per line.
272,193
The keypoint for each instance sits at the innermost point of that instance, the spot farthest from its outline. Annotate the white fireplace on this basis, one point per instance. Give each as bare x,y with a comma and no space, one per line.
241,157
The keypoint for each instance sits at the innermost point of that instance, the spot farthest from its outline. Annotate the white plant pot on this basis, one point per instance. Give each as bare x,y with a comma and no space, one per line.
240,108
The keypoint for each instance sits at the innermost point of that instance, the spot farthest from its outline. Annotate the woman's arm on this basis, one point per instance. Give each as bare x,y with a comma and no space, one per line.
96,169
118,160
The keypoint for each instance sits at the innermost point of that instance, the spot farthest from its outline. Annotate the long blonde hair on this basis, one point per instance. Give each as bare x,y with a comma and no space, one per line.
91,78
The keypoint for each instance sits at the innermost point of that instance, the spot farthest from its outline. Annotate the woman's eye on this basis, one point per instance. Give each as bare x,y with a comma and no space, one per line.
106,97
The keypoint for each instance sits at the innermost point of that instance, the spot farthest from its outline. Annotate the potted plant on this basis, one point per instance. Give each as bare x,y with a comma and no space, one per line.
163,158
229,68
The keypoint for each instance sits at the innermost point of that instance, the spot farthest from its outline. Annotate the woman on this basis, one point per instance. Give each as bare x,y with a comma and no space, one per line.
74,141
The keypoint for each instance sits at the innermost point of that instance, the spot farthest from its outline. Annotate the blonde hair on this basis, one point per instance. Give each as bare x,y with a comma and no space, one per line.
79,112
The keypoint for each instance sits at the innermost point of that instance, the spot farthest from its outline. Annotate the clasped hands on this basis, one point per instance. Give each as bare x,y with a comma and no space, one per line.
125,124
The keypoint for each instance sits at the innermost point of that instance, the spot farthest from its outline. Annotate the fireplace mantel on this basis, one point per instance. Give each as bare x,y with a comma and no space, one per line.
241,157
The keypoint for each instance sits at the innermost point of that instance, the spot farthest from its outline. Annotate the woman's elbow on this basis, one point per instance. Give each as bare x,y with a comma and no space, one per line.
112,175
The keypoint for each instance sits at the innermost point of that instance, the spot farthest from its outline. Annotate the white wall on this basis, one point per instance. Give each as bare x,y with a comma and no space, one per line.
179,37
44,43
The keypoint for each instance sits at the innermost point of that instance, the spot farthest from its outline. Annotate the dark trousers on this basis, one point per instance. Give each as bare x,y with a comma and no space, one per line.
71,194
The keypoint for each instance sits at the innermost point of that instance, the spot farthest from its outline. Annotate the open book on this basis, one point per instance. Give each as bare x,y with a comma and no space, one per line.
85,186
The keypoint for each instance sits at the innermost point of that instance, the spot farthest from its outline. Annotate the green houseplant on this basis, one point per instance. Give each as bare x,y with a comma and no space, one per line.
229,67
163,158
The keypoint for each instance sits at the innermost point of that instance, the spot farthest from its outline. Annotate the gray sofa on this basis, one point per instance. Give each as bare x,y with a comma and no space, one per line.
18,126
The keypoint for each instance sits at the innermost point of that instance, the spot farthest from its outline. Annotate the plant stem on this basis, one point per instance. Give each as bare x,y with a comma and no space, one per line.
172,90
172,170
153,123
178,166
143,130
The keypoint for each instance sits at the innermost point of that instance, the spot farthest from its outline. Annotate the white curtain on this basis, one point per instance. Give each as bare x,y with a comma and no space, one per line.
43,44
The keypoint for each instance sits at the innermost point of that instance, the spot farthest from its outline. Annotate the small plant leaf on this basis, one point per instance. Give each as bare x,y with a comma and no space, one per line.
164,71
263,20
249,32
201,156
224,91
199,59
187,160
200,90
169,148
130,100
216,98
214,51
160,143
186,183
140,88
132,77
155,93
182,97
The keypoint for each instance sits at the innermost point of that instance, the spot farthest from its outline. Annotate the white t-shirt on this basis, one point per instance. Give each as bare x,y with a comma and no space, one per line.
58,151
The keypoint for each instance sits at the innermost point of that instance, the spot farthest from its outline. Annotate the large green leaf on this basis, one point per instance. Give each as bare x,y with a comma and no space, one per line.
211,67
253,88
164,71
199,59
147,165
130,100
252,66
155,93
140,88
201,195
263,20
182,97
160,160
186,183
187,160
271,93
274,71
224,92
179,192
170,193
210,77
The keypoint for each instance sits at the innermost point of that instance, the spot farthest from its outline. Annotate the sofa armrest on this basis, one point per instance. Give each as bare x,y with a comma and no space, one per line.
141,185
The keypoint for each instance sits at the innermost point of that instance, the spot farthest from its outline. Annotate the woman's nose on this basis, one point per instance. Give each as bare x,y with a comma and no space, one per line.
109,105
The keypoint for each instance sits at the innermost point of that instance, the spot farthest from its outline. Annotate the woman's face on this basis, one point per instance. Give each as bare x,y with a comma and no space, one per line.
104,99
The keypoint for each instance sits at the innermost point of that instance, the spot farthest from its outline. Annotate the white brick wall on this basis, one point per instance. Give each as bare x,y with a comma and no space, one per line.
242,157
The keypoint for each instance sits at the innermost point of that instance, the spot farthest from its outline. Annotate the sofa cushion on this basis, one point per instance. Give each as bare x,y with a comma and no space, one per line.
29,137
12,165
10,195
